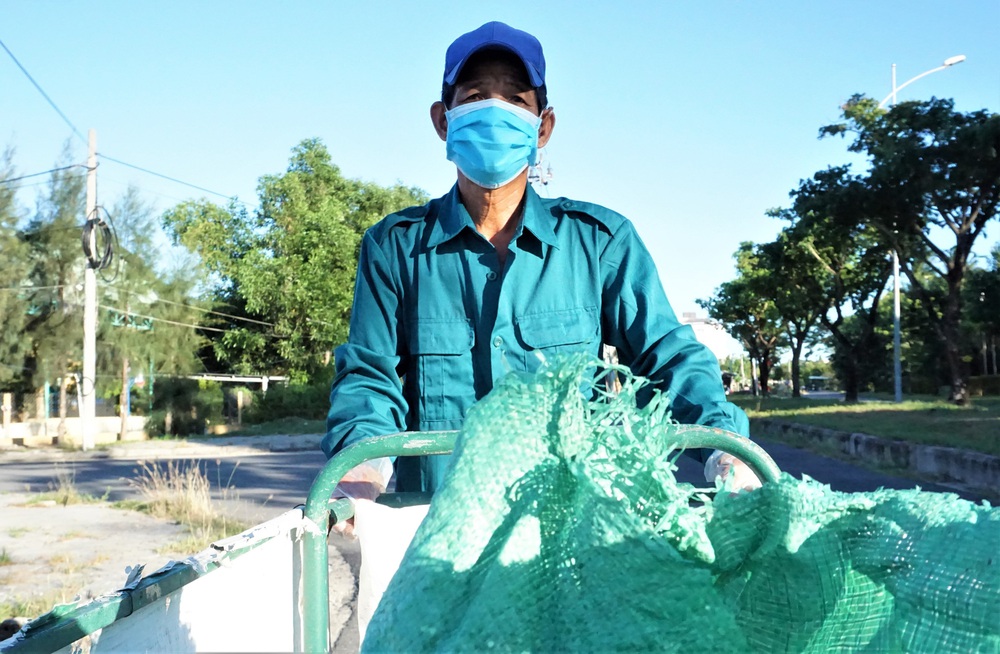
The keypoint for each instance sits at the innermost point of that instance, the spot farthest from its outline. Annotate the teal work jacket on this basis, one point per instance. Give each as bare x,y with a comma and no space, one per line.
437,321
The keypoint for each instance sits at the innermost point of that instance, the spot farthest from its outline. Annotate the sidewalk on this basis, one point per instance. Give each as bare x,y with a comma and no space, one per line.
171,448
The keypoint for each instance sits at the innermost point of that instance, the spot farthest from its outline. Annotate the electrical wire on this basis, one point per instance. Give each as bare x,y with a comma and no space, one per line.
44,172
40,183
231,198
44,94
217,313
169,322
104,156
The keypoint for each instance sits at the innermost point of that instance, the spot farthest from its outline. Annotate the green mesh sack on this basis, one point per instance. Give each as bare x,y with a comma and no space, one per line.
560,527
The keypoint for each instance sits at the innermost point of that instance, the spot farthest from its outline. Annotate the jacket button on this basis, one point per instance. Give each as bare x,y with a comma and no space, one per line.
497,342
491,275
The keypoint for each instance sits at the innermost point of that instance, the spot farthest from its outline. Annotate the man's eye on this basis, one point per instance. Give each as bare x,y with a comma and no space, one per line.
473,97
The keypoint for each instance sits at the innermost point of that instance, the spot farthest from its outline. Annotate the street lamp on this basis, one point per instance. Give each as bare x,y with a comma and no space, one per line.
897,369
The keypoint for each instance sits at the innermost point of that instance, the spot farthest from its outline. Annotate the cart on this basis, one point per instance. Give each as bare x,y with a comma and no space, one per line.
268,589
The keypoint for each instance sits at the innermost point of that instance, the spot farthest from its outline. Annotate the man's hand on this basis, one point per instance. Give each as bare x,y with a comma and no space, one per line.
365,481
737,475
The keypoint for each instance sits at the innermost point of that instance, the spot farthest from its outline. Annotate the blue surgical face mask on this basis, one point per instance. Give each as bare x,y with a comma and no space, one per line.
492,141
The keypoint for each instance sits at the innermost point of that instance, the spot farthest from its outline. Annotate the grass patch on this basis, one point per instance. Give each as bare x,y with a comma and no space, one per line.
73,535
924,421
180,491
282,426
17,532
5,557
33,606
64,564
64,491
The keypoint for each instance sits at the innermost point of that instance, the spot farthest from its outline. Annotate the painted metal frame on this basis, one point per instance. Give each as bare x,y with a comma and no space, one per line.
319,506
67,623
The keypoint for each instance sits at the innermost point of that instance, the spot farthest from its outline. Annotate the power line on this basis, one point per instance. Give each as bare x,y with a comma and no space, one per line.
168,178
104,156
39,183
169,322
216,313
45,172
179,304
44,94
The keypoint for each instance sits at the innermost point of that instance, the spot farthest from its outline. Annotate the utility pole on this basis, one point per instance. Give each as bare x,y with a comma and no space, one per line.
88,406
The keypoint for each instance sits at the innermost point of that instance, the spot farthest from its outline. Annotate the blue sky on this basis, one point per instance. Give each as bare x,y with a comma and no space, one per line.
690,118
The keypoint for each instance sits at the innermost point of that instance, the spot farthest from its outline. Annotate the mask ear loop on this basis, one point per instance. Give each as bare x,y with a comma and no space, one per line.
541,171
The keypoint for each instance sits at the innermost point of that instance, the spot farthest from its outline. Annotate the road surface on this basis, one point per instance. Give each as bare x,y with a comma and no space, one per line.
261,486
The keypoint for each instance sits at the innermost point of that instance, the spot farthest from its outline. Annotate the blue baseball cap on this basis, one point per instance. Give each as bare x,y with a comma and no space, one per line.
496,35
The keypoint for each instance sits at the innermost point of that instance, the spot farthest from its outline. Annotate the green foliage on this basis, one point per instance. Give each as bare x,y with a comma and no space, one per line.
862,352
143,317
183,407
984,385
54,326
41,337
829,221
981,324
815,369
289,425
308,401
290,265
14,304
933,171
746,306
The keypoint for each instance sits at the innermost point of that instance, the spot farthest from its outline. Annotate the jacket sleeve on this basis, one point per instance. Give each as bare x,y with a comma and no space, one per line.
640,323
366,398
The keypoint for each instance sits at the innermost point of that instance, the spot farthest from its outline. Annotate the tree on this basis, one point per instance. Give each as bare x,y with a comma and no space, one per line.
829,221
790,274
55,325
291,265
934,174
14,302
982,298
146,321
750,314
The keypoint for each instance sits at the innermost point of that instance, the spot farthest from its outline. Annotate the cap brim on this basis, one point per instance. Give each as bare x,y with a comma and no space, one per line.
452,75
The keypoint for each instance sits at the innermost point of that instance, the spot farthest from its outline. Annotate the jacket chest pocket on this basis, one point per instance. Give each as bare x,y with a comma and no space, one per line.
563,331
442,351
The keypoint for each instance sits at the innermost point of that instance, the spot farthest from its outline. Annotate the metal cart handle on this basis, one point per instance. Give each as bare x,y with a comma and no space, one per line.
315,570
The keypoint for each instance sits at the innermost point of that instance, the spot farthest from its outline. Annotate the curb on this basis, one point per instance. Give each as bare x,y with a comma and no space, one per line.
946,465
195,448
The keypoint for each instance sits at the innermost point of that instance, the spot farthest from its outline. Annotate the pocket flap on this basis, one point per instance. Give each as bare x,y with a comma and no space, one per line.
442,337
564,327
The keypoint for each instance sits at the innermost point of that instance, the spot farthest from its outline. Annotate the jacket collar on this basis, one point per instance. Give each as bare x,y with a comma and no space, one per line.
452,218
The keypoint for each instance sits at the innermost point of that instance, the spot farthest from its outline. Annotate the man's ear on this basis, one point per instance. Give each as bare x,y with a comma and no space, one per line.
545,129
438,118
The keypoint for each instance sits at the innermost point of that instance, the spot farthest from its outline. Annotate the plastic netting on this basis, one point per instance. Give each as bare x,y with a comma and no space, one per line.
560,527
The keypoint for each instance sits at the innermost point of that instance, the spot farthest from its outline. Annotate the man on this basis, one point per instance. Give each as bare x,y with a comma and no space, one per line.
453,294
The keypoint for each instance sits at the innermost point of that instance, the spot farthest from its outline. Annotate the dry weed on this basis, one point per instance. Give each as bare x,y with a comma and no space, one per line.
64,491
181,491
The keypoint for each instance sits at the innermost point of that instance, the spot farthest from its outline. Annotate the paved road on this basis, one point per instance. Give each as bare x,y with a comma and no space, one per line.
260,486
255,487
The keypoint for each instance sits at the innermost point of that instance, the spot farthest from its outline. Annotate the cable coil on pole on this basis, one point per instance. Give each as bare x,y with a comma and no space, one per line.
99,240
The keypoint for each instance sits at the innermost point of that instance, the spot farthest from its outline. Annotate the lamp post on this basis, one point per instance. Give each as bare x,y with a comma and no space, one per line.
897,368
